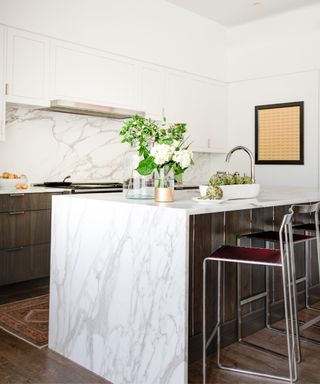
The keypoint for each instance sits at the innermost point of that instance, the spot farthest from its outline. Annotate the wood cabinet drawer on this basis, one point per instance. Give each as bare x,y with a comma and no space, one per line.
25,202
25,263
21,228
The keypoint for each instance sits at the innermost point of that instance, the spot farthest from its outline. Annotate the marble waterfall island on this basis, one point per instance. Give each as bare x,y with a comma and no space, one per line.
118,297
120,283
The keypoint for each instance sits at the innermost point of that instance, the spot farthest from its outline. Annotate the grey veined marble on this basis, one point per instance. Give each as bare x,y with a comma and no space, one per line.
118,295
48,145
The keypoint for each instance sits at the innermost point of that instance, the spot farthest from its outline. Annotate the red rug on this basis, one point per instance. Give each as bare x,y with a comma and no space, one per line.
27,320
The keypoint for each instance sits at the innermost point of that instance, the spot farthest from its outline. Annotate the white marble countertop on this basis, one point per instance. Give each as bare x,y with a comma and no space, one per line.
32,190
268,197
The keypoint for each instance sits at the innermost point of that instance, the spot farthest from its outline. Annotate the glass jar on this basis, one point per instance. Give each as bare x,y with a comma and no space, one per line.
164,184
136,186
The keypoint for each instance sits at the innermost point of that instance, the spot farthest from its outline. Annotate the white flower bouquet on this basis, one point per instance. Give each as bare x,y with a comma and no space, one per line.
161,146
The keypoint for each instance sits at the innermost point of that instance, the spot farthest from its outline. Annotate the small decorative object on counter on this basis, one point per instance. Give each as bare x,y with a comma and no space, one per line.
10,180
164,184
136,186
23,182
229,186
158,155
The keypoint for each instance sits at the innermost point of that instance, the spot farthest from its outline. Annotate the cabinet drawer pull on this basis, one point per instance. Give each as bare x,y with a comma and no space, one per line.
16,213
16,194
15,249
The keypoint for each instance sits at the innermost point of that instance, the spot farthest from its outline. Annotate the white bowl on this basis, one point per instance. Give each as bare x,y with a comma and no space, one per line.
235,191
9,183
203,189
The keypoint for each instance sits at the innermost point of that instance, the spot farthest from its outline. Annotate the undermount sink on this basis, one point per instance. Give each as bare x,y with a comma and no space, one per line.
236,191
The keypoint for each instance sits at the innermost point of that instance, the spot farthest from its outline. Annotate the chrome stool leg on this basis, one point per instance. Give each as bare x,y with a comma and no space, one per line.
216,330
290,343
204,323
308,275
289,334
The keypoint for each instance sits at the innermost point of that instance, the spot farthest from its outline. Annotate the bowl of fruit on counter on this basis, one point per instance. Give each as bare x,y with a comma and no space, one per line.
11,181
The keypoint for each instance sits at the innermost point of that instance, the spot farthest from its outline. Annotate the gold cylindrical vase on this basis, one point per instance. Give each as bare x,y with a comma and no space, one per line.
164,195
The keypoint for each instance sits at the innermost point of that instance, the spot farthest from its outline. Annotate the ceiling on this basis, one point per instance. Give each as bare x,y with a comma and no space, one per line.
235,12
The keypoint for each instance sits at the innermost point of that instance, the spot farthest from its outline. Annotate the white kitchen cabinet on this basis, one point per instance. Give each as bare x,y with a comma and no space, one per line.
84,74
2,83
27,68
201,103
152,91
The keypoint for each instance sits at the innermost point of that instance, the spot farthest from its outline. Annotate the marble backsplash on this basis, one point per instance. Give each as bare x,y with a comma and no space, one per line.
48,145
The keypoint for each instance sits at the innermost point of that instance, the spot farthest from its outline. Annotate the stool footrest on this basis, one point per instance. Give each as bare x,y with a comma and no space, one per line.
309,323
253,298
213,333
260,348
302,279
253,373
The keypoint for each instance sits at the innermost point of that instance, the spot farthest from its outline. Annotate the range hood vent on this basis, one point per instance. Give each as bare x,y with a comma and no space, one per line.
91,109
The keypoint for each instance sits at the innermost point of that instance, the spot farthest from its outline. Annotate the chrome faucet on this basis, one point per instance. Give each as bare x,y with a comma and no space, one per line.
250,154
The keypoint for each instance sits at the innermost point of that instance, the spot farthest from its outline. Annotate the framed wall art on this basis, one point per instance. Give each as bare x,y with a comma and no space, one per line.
279,133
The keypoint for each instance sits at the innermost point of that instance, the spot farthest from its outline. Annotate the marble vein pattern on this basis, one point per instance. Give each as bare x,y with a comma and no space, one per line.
47,145
118,295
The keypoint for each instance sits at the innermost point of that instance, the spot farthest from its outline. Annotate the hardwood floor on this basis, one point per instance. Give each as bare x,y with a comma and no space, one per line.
244,356
25,290
20,363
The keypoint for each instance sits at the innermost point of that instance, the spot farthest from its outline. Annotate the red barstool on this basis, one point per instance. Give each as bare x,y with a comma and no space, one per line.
309,229
265,257
272,237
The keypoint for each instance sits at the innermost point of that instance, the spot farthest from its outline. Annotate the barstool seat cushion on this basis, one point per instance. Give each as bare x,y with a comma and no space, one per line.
246,255
305,227
274,236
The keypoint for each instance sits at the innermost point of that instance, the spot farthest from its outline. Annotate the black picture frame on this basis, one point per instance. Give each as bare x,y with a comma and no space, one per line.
259,108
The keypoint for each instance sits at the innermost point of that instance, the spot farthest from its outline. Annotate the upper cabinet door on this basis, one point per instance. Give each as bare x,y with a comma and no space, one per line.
27,68
85,74
2,82
152,91
201,103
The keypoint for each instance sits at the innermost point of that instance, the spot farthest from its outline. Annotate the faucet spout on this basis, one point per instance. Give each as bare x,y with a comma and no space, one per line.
250,154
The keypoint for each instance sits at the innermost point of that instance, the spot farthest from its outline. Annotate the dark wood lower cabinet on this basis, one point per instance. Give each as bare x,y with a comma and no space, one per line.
25,232
207,233
24,201
21,228
24,263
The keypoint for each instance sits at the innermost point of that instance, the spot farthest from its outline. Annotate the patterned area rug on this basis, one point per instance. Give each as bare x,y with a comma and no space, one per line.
27,320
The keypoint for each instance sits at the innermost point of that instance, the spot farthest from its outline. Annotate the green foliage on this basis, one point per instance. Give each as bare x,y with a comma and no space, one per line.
213,193
146,166
144,133
229,179
139,131
246,180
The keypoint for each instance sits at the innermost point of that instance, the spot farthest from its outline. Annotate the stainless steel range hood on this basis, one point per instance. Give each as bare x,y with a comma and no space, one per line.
91,109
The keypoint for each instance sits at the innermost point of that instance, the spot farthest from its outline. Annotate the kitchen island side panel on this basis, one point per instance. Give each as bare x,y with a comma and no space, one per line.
119,288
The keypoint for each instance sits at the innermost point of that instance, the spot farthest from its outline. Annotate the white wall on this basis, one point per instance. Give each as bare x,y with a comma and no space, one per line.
245,95
286,43
275,60
150,30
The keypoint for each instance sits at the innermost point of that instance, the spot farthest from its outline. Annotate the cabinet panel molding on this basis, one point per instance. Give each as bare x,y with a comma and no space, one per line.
27,68
86,74
2,82
201,103
153,91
